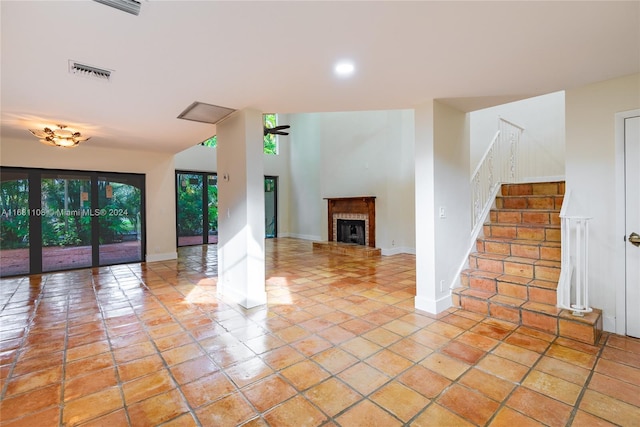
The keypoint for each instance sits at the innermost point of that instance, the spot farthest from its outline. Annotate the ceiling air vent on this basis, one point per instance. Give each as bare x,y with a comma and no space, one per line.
129,6
89,71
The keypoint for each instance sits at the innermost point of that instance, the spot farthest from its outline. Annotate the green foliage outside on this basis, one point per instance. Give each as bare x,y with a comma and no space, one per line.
270,141
189,205
66,213
14,227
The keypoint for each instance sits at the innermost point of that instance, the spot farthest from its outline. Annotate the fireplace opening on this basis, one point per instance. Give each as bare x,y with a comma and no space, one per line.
351,231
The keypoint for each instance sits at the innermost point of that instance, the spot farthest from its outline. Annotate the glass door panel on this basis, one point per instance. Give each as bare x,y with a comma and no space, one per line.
119,219
212,218
14,223
65,212
190,216
270,206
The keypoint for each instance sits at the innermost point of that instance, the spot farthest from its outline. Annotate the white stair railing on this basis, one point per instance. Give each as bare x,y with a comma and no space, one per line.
573,285
499,165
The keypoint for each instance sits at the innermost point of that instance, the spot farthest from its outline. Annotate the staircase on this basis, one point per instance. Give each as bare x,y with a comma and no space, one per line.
514,272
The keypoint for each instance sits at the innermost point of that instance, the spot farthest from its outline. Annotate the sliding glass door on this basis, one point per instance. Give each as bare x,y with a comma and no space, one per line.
197,207
14,223
59,220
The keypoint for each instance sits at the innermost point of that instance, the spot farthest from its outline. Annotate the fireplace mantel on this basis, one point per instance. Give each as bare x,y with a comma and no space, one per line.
364,205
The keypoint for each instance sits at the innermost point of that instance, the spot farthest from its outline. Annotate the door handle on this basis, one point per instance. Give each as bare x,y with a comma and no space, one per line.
634,238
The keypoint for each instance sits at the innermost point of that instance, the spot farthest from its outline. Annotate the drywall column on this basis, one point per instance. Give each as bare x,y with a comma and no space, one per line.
426,294
241,253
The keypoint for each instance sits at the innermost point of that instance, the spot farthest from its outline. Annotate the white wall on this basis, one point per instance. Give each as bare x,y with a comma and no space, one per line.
542,142
591,175
158,168
345,154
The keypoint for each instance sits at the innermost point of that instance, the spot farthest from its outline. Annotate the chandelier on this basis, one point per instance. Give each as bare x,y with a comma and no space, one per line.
61,137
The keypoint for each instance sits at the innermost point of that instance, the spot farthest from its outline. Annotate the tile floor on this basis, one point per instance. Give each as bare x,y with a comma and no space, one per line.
339,344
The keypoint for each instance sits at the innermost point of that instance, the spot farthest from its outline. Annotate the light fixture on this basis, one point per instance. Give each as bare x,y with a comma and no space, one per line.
61,137
344,68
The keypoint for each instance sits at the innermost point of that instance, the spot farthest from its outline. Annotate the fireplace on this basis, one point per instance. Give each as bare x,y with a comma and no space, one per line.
351,231
352,220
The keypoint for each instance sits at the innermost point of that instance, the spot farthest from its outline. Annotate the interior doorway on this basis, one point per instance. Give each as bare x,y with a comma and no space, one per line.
632,224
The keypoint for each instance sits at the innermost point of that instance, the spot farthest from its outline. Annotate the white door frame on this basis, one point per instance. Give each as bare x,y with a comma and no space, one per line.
619,244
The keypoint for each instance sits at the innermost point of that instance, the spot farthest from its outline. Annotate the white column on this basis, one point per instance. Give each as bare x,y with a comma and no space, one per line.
241,229
426,294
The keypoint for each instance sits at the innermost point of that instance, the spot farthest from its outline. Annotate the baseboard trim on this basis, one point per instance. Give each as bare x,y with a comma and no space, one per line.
433,306
162,257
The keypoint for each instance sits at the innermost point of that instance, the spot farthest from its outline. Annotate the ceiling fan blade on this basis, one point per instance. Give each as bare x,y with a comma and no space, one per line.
281,127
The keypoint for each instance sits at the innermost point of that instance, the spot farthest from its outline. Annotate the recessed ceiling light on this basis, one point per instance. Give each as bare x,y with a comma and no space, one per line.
344,68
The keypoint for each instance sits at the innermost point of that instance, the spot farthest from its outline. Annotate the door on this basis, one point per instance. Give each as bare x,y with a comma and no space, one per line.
270,206
632,224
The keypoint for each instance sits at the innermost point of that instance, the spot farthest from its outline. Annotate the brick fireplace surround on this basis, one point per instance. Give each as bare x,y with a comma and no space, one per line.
353,208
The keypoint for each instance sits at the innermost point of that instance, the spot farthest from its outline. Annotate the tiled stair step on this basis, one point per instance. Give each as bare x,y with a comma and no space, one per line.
526,216
544,188
529,202
542,232
543,317
548,250
516,266
522,288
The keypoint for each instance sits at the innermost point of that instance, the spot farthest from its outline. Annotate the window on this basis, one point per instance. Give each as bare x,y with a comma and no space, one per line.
270,140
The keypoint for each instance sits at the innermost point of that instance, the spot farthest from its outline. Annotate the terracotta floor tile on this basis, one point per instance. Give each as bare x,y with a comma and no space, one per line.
335,360
363,378
32,381
193,369
90,383
539,407
619,371
311,345
269,392
429,339
469,404
294,413
445,366
507,417
282,357
367,414
436,415
621,356
516,354
489,385
248,372
92,406
615,388
147,386
552,386
462,352
400,400
339,343
47,417
424,381
503,368
564,370
572,356
610,409
360,347
478,341
305,374
585,419
208,389
324,395
158,409
389,362
31,401
382,336
231,410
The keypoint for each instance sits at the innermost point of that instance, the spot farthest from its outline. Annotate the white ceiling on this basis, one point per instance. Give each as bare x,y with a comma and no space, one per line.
278,57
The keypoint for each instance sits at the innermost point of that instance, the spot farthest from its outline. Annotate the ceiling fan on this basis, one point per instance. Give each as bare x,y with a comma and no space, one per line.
276,130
